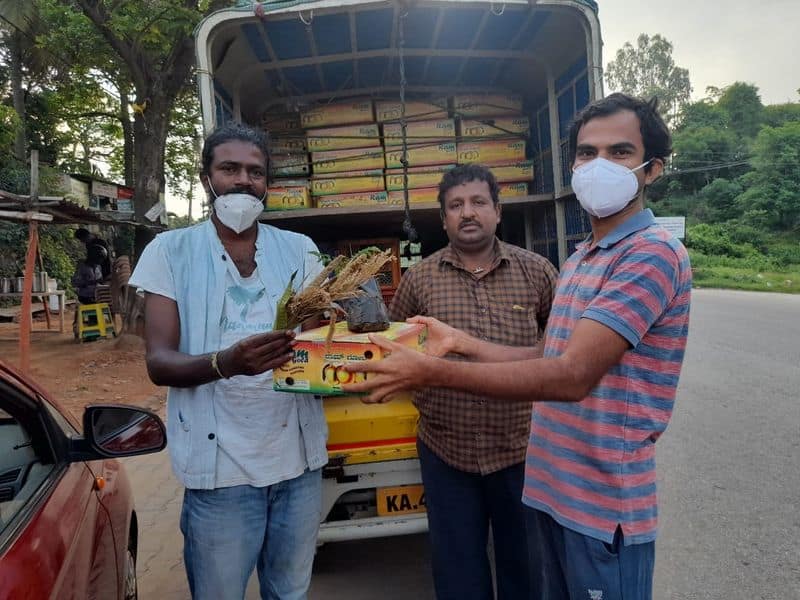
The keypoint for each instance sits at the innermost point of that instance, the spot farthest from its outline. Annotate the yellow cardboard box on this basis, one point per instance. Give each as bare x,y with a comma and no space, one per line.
361,173
287,144
285,197
391,110
420,132
281,122
512,190
417,196
516,171
317,367
348,200
422,155
327,186
358,110
491,152
339,161
418,177
289,165
494,127
486,105
342,138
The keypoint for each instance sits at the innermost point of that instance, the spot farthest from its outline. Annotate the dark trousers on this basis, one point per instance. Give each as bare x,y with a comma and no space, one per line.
460,507
567,565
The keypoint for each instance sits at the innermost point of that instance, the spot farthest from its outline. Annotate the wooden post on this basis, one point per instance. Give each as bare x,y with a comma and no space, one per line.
27,290
25,321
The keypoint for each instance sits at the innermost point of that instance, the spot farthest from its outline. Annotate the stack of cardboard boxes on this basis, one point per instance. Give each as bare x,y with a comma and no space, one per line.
289,162
493,132
350,144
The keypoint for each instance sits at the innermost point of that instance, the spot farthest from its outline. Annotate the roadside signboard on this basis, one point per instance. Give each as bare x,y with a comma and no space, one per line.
675,225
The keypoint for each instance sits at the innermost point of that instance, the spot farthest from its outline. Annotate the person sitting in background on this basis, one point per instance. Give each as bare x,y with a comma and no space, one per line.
92,241
89,273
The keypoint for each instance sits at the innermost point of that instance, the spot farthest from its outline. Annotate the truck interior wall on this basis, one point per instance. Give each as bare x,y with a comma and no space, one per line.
550,33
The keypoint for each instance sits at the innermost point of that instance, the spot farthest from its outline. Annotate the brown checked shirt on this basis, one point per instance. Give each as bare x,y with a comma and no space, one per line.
509,305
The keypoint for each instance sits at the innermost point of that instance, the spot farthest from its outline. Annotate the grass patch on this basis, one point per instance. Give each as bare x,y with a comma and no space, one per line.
755,272
742,278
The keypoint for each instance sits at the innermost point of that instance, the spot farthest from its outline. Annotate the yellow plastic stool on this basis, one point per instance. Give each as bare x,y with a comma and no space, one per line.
94,321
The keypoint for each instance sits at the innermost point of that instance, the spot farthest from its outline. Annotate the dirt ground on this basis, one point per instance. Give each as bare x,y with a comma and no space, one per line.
101,371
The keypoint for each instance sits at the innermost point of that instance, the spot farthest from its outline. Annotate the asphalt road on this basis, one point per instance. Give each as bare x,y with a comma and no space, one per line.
728,464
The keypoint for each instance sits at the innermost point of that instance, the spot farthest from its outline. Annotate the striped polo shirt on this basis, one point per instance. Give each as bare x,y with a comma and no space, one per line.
591,464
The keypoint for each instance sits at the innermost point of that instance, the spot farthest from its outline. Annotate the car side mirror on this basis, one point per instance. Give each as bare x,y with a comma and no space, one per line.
115,431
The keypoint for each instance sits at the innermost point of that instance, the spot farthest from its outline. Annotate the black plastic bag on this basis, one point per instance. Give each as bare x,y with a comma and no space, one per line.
367,311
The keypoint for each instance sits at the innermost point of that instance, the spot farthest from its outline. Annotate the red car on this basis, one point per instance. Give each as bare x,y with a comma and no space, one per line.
67,520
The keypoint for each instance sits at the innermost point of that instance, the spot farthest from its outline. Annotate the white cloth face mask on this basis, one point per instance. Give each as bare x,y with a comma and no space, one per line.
604,187
237,211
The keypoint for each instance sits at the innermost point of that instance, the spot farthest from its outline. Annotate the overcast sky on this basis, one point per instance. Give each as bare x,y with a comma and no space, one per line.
718,41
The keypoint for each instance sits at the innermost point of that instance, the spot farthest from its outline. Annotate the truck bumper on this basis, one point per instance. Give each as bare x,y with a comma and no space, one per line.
340,531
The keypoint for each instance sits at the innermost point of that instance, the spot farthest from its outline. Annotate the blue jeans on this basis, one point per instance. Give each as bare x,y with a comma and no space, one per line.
460,507
567,565
227,532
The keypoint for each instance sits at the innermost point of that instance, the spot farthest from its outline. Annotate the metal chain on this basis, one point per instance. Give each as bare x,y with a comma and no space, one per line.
408,227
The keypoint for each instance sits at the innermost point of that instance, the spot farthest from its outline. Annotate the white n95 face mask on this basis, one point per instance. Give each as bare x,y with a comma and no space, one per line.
604,187
238,211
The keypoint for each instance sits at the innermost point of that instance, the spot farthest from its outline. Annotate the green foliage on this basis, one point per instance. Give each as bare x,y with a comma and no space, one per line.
740,274
184,142
777,115
699,152
742,103
60,252
715,240
704,113
9,124
57,246
649,70
774,185
785,253
719,199
178,221
13,239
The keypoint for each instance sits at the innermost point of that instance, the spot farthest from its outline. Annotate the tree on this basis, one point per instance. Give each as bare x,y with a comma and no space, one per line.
776,115
18,26
9,123
774,183
701,154
742,104
719,199
704,113
649,70
153,40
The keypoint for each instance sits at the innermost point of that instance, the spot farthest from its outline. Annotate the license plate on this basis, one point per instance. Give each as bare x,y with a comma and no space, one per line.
401,500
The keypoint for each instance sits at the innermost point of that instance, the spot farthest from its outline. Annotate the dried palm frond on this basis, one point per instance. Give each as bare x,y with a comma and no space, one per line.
339,280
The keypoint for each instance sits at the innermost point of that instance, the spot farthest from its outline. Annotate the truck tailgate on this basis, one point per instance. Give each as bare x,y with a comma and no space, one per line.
363,433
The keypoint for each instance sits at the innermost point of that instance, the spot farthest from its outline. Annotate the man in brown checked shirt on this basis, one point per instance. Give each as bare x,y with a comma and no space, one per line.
472,451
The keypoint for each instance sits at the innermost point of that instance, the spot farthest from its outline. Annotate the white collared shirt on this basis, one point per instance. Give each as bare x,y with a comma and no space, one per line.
214,441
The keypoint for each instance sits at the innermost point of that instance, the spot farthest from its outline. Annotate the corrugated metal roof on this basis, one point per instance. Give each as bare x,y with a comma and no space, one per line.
64,211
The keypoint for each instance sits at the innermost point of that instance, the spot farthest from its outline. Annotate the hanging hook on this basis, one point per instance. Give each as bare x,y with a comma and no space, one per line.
310,17
496,13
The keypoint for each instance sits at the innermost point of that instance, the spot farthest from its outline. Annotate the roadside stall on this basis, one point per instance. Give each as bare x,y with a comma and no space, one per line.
33,210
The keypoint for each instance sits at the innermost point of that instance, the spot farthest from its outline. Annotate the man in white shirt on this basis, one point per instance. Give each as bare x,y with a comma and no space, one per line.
249,458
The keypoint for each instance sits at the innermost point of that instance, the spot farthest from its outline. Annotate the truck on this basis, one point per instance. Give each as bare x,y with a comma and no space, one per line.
474,72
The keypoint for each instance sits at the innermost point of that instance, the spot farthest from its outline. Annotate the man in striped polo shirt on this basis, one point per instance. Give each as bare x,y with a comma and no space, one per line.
604,380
